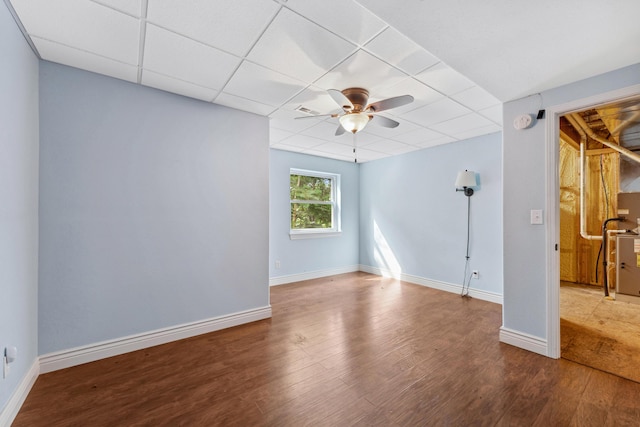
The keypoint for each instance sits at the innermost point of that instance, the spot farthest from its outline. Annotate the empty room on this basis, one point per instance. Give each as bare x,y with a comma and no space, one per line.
284,212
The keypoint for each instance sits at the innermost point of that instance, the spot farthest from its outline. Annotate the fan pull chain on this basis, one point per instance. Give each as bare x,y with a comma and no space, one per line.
355,156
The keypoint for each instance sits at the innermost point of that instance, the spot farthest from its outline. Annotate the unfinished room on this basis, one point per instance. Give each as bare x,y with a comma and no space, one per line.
288,212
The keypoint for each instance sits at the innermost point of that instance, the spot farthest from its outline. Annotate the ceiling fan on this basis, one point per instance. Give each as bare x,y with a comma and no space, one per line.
357,112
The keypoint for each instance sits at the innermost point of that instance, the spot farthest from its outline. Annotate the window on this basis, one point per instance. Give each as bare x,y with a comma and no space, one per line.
315,204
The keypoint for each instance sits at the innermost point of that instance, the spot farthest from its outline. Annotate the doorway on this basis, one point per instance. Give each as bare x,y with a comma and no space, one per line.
596,328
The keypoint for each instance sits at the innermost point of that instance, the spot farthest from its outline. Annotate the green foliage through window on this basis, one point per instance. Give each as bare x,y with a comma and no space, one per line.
312,201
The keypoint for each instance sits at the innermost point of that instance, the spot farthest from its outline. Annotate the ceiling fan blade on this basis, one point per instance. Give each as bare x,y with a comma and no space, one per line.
384,122
340,130
340,99
387,104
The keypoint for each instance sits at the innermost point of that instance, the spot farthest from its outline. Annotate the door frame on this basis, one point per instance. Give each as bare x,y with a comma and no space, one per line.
552,129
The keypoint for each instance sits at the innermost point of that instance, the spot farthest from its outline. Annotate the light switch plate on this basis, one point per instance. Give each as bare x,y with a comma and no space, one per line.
536,216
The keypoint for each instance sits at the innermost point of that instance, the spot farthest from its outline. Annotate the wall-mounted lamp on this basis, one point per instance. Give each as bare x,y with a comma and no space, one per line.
465,180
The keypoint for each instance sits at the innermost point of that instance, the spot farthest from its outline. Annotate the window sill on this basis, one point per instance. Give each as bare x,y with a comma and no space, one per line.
314,235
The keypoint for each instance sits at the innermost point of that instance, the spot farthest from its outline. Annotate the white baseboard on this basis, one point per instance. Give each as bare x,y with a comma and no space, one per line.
90,353
18,397
524,341
435,284
282,280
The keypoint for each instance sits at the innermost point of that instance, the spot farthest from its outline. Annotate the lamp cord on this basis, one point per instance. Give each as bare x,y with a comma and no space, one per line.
466,282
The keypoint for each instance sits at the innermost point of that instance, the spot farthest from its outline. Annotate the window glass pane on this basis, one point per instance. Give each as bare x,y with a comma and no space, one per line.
311,215
304,187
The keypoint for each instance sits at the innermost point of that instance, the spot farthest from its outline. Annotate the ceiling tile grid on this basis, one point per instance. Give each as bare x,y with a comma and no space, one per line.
270,57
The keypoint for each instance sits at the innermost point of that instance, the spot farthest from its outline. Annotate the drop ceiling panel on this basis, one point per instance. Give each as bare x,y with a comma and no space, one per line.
485,130
131,7
445,79
361,70
422,94
277,135
345,18
462,124
302,141
169,84
83,25
177,56
232,26
324,130
437,112
289,124
390,147
418,136
335,148
396,49
269,87
62,54
493,113
365,155
297,47
476,98
243,104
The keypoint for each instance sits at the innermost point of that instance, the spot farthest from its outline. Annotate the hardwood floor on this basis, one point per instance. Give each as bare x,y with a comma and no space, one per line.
353,349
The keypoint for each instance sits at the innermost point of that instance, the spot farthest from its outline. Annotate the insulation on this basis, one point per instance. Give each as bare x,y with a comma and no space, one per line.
578,256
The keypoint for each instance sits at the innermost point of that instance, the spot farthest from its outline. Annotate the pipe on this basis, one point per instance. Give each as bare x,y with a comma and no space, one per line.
604,251
628,153
583,180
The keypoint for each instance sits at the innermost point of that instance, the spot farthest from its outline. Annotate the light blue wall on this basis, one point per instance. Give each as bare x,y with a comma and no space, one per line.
524,178
18,202
152,209
310,255
412,221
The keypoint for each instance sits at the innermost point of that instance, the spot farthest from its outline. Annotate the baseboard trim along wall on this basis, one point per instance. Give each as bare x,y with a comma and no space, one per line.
283,280
435,284
14,404
524,341
90,353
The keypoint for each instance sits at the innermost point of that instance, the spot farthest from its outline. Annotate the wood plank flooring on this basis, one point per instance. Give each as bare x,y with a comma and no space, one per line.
353,349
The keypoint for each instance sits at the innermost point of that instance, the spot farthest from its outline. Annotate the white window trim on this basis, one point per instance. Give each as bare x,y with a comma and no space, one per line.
313,233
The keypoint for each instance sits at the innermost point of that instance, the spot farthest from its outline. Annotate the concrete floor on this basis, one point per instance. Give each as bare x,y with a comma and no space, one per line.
600,332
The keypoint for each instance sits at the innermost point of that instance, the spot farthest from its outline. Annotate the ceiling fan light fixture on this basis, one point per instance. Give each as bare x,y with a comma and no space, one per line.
354,122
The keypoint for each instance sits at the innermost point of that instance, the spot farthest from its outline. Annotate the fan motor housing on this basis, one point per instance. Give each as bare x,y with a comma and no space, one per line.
358,97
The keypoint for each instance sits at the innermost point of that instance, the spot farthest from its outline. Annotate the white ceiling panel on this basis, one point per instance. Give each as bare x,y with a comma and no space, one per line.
391,147
335,148
404,126
277,135
476,98
462,124
84,60
243,104
361,70
177,56
297,47
437,112
396,49
302,141
493,113
444,79
131,7
290,124
83,25
365,155
418,136
485,130
232,26
362,138
343,17
269,87
436,142
169,84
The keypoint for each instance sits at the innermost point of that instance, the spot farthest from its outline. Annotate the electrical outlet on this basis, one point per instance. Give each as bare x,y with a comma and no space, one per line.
278,264
475,274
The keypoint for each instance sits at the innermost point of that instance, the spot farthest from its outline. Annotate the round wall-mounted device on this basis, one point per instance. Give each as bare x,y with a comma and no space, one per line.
523,121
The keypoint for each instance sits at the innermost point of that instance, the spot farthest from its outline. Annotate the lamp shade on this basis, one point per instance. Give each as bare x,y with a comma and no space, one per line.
354,122
466,179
